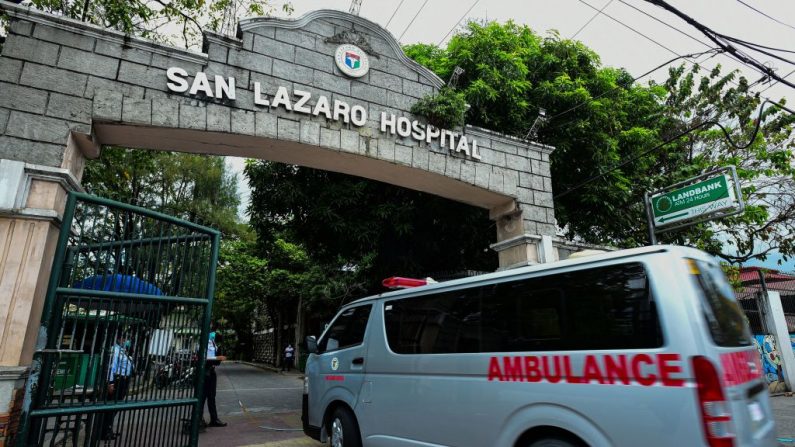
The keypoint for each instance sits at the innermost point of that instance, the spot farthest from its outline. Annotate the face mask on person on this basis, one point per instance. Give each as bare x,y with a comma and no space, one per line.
212,336
127,344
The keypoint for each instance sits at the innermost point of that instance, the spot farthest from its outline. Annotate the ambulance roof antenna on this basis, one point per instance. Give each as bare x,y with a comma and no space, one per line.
356,5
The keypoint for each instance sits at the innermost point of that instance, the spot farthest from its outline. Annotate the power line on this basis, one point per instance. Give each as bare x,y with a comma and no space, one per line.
631,81
690,36
715,37
413,19
769,17
591,19
666,24
393,13
630,28
774,84
459,21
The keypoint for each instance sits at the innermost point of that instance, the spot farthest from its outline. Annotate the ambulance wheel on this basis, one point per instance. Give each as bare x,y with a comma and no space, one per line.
553,442
343,429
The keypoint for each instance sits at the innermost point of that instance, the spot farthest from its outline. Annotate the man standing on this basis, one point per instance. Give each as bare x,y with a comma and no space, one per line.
289,355
121,366
211,381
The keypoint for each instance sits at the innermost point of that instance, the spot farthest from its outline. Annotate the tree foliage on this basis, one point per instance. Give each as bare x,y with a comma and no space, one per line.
175,21
351,223
600,118
194,187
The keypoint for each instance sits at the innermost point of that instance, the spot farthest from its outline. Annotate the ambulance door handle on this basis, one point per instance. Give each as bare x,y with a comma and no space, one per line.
358,361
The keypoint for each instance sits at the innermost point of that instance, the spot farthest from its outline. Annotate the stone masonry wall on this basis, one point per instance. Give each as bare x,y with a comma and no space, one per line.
59,76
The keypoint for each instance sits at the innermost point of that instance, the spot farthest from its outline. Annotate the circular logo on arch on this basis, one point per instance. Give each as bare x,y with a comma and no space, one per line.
352,60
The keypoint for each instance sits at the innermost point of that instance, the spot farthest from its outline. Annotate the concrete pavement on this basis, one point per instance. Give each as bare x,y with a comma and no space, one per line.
784,412
262,408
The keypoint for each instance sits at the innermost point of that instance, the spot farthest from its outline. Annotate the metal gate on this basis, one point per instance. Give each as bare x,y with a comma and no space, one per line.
120,356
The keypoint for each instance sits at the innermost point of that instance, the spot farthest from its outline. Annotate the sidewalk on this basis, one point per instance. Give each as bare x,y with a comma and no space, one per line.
282,429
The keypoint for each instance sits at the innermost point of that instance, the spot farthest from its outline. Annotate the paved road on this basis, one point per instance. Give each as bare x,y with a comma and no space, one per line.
784,412
249,399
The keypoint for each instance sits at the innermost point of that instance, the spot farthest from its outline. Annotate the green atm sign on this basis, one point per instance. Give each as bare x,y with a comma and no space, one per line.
699,199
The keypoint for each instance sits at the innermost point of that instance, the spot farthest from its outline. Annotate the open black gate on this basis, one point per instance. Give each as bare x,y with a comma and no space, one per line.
120,355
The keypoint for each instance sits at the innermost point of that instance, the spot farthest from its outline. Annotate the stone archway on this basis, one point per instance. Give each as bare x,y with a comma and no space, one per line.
66,88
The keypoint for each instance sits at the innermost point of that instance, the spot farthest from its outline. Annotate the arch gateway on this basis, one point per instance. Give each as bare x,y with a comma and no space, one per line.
328,90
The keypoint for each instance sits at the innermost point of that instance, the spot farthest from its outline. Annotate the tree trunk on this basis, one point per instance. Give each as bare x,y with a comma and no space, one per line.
299,330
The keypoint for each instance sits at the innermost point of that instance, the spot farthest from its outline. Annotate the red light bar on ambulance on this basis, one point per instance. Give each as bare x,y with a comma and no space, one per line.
398,282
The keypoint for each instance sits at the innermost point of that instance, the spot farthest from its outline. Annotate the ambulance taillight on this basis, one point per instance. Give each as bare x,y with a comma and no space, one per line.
714,408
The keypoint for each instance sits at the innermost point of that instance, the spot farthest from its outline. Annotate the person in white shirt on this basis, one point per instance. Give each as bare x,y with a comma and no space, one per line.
119,372
289,356
211,381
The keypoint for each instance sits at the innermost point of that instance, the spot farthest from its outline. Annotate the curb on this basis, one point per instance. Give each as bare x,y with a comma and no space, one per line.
265,367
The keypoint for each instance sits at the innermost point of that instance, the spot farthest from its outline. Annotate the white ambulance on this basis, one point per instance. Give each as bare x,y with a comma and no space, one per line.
637,348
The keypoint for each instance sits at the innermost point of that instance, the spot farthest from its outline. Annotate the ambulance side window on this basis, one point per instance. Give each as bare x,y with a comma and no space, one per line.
608,307
347,330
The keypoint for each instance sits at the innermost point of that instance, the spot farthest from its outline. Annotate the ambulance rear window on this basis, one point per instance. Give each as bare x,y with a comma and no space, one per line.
723,315
608,307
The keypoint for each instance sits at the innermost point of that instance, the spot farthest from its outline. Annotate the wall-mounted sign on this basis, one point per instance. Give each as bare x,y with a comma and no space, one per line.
709,196
352,60
300,101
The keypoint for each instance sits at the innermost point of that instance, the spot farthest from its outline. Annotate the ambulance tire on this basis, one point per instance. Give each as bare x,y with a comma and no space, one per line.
343,422
553,442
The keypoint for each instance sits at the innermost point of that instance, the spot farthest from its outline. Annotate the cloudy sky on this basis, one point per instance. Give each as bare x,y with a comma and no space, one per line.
627,33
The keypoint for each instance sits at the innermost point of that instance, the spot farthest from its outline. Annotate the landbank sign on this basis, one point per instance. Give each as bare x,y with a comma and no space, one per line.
705,197
353,62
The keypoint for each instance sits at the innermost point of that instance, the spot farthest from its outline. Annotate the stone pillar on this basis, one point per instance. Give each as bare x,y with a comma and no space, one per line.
32,199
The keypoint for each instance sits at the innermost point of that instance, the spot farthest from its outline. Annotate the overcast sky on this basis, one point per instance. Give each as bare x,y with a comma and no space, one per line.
429,21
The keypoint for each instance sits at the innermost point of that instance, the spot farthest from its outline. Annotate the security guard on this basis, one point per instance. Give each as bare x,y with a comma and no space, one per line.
121,366
211,381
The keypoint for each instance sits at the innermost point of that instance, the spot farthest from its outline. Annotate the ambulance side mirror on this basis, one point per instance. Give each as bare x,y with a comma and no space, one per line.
311,344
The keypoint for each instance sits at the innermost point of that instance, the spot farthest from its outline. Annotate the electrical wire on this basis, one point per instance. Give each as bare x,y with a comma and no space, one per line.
774,84
618,87
393,13
591,19
670,140
630,28
690,36
413,19
456,23
713,36
768,16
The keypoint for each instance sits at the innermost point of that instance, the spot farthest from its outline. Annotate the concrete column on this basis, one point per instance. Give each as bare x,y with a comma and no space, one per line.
31,206
777,324
515,246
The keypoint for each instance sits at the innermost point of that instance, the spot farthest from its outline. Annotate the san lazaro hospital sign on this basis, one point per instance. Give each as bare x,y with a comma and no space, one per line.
352,61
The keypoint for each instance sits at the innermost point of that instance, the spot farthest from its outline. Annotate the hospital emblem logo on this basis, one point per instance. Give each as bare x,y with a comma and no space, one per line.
352,60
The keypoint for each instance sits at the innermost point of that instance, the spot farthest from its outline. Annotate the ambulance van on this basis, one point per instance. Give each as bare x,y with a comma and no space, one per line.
637,348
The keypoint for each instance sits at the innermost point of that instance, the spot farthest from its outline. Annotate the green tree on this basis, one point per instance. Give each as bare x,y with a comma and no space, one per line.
382,229
165,21
194,187
241,289
761,147
600,118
